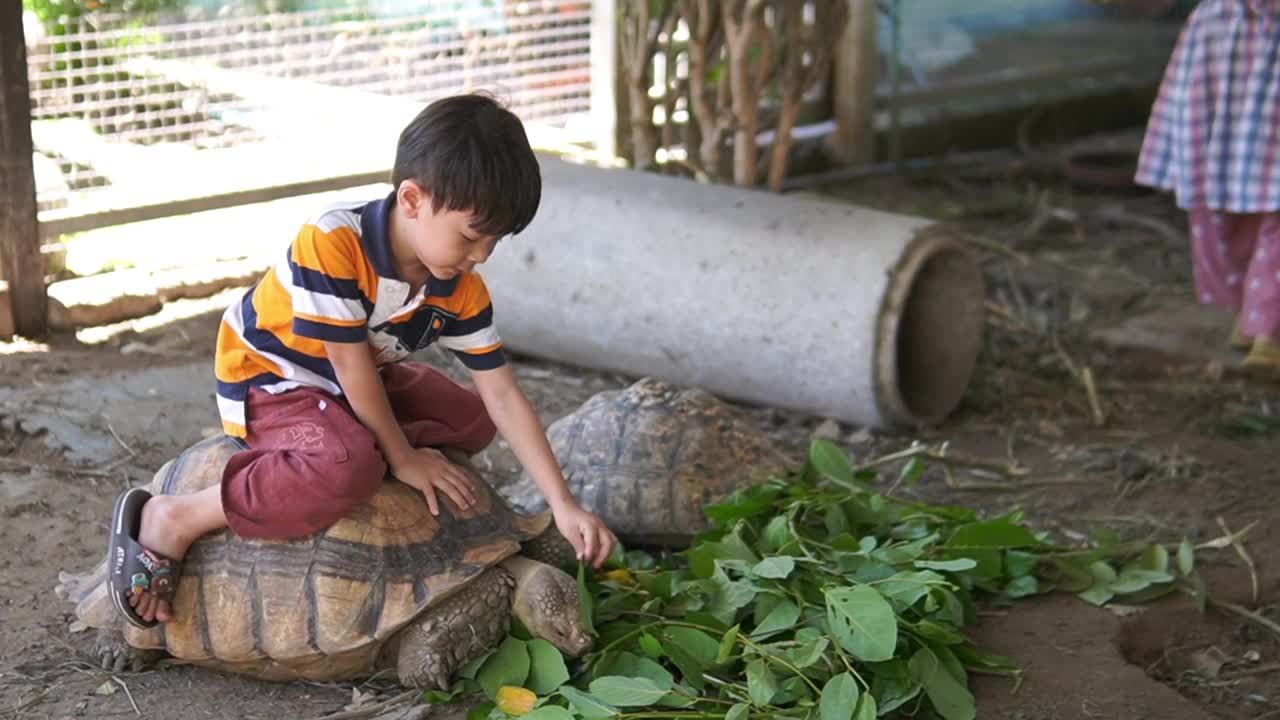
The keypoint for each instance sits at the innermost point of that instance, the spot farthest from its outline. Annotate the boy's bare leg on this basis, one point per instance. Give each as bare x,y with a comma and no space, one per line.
170,523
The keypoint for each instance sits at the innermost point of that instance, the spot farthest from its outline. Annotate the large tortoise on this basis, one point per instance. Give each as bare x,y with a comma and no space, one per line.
648,458
390,586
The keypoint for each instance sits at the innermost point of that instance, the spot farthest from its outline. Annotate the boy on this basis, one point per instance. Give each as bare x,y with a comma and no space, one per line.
309,372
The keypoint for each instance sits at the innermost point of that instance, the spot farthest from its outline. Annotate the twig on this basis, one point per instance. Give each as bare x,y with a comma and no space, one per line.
39,697
374,709
1247,614
995,247
1248,561
1086,375
123,444
1259,670
127,694
942,457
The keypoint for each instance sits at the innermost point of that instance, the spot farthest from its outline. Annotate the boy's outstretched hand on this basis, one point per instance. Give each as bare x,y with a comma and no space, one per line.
429,470
586,532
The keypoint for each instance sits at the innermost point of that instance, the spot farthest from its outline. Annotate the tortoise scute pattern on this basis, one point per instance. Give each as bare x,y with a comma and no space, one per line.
321,607
649,457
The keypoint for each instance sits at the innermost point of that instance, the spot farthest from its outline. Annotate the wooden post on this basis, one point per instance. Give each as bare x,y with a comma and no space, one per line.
20,261
854,86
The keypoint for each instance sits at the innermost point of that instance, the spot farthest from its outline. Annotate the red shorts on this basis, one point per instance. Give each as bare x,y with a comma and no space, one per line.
310,460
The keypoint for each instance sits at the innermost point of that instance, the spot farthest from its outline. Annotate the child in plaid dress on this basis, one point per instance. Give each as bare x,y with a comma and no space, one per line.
1213,138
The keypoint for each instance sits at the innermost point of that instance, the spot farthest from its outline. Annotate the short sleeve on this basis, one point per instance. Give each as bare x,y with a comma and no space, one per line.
472,336
324,283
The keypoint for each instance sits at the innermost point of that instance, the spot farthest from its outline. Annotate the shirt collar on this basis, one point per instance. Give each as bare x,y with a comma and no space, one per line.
375,238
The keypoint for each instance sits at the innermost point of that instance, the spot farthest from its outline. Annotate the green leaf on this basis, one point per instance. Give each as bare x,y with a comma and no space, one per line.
808,653
508,666
839,698
911,472
866,708
950,698
702,561
774,568
738,712
776,535
863,622
761,683
1186,557
693,651
784,615
829,459
695,642
992,534
1134,578
1018,563
1021,587
956,565
905,588
1100,592
1155,558
586,705
626,691
546,667
548,712
728,644
742,504
481,711
892,686
836,521
650,645
632,665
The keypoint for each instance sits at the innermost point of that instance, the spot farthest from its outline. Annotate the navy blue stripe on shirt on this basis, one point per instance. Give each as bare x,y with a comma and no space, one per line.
240,391
458,328
267,342
317,282
331,333
495,358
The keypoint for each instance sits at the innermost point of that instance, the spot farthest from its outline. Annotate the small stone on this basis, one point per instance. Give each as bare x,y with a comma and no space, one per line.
1206,664
859,436
828,430
1252,656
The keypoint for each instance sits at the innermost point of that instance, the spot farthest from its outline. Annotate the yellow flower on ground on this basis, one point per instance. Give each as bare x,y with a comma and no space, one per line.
515,700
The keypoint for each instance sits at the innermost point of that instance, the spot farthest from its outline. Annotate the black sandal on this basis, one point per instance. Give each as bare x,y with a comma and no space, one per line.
135,569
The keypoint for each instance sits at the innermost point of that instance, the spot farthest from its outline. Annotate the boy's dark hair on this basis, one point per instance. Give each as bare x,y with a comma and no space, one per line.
471,154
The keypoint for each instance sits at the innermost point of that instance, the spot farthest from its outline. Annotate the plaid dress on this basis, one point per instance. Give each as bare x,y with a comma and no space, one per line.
1213,137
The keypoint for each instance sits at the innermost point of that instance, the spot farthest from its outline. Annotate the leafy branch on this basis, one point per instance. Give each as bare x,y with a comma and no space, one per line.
818,597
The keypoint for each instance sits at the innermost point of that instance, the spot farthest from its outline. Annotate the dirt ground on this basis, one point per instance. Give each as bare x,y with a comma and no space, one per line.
1180,444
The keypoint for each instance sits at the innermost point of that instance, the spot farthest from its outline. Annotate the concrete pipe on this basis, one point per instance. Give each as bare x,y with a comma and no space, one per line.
823,307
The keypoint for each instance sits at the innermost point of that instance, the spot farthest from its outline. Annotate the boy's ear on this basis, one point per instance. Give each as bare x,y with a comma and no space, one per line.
412,198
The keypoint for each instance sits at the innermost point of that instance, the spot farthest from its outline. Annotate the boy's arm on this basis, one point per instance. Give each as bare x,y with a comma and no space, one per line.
511,413
422,468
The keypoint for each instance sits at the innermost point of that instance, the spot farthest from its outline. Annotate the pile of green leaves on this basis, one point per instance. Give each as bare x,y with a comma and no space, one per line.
815,596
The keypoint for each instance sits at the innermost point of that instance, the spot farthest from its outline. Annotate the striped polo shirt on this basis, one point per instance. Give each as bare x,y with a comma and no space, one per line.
337,282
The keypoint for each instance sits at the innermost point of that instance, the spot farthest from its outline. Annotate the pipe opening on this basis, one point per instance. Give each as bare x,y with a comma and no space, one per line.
938,331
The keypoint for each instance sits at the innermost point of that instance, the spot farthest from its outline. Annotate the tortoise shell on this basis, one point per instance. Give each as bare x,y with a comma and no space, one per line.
649,457
319,607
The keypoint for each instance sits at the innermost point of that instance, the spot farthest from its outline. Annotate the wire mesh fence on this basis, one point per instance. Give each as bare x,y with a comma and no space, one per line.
122,102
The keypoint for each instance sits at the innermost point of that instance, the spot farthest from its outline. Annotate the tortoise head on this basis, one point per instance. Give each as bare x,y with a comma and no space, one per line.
546,601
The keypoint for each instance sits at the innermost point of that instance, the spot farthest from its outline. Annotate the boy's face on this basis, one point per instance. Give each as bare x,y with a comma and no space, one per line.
442,241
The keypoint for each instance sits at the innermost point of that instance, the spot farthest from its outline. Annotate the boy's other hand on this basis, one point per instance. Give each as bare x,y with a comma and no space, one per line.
592,541
428,470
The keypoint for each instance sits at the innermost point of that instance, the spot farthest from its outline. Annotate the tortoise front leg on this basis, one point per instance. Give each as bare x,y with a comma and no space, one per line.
456,631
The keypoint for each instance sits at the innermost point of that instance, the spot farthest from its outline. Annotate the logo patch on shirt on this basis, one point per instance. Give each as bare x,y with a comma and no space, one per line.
419,331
